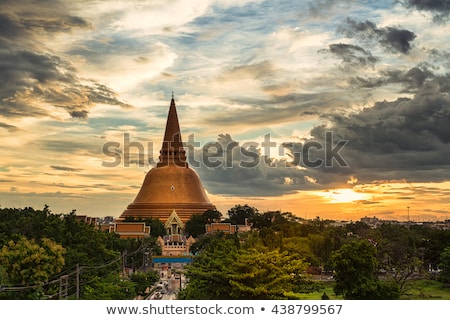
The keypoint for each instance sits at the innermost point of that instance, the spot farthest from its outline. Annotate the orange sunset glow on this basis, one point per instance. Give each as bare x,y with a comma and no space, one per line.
330,109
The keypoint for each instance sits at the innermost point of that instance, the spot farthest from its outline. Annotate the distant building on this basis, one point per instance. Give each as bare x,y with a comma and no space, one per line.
369,220
131,229
87,219
224,227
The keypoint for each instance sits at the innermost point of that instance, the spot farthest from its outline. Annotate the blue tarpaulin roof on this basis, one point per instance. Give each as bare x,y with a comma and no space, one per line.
171,259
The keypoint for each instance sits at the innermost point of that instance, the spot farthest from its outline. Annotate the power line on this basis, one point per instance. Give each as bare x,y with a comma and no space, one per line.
68,273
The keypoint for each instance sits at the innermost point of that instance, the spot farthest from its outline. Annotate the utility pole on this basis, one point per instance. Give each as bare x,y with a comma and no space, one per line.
63,285
124,262
78,281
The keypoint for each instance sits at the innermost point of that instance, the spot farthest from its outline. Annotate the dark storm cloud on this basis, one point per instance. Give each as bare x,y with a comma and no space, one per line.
23,28
411,80
403,139
414,78
440,57
234,172
10,27
407,139
241,169
351,55
82,114
440,8
32,77
391,38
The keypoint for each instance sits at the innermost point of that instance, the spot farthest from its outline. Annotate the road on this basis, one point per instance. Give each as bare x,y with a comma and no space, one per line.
168,288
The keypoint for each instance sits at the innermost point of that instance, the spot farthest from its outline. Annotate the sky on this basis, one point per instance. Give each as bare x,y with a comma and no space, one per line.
336,109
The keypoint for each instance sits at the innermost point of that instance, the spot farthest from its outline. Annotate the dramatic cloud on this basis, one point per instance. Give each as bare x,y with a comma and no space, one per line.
440,8
232,167
403,139
312,97
411,80
351,55
33,79
392,39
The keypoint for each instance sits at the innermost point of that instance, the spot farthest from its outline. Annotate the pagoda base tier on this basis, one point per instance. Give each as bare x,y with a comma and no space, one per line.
162,211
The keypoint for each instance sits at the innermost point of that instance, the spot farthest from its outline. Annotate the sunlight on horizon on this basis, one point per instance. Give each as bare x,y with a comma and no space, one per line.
344,195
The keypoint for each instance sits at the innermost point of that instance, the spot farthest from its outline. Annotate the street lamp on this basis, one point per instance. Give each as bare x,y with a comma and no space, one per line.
147,261
146,253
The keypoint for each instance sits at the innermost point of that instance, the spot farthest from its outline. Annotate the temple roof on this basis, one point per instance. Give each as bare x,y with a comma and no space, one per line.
173,216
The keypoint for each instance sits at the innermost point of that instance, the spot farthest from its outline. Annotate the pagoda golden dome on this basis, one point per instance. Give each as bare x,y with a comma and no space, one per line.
172,184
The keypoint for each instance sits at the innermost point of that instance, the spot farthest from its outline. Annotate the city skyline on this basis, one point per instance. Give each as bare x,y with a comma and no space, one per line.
280,85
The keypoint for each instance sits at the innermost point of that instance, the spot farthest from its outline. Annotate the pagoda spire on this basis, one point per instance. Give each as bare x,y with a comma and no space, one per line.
172,151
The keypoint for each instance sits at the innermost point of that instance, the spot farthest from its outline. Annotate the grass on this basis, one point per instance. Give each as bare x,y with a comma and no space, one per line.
414,290
426,290
317,295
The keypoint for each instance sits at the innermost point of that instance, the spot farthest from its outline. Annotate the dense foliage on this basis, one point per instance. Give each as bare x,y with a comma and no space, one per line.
225,271
196,225
355,266
55,256
366,263
45,255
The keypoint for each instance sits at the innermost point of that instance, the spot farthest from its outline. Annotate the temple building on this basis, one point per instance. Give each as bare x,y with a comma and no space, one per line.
171,192
172,184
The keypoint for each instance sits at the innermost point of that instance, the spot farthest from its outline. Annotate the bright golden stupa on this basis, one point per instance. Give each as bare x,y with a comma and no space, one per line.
172,185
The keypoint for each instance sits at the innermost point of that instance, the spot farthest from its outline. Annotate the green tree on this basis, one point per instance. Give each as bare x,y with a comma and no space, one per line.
301,247
143,280
195,226
156,227
212,215
398,252
96,252
239,214
222,271
355,266
445,265
109,287
31,264
271,239
208,273
266,275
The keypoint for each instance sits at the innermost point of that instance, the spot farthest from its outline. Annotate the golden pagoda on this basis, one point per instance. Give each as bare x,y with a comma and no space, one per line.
171,186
